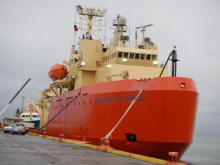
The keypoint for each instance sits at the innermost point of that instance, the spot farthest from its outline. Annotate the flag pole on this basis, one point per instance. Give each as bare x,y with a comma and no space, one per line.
75,27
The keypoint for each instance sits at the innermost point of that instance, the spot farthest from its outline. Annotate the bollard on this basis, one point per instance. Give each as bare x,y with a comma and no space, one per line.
60,139
44,135
104,145
174,159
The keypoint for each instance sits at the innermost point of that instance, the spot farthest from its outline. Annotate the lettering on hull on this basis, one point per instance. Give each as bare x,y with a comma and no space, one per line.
118,99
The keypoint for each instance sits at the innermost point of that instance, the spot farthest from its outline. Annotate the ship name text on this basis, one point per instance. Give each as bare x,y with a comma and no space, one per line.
117,99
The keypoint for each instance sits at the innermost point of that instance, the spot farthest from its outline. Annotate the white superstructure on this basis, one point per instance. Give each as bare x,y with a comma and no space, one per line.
26,116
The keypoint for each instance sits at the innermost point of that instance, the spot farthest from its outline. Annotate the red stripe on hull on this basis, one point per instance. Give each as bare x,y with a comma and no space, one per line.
162,118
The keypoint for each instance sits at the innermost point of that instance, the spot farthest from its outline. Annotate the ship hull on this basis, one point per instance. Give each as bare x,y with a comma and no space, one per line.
35,122
161,120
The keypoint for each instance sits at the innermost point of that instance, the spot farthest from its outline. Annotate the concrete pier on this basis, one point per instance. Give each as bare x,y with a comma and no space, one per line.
34,150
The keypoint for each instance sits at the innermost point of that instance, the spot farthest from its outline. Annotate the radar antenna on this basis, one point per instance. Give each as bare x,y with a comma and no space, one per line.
143,32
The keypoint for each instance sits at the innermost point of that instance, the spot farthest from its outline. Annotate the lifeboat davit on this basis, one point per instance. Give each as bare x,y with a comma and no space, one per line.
58,72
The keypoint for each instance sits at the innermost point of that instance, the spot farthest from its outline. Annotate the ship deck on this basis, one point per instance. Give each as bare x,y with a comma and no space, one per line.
34,150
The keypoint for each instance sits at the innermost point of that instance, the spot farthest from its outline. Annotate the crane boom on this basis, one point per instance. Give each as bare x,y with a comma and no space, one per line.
125,75
3,110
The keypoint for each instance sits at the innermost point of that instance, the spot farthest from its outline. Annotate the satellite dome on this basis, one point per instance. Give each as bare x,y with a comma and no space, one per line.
118,16
122,21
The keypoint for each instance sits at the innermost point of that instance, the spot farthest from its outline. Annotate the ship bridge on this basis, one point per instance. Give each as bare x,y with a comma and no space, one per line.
132,56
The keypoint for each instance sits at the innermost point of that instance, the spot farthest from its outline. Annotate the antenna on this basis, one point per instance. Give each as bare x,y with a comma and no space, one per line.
135,38
143,32
105,34
32,90
143,27
130,24
75,27
90,19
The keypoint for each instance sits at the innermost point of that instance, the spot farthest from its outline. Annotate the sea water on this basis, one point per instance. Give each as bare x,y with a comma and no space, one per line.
205,150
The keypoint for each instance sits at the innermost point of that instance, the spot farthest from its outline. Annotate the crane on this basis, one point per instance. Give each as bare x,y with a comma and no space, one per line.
7,105
125,75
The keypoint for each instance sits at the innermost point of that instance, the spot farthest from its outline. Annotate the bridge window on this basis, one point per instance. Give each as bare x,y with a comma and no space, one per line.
119,54
153,57
142,56
137,56
131,55
125,54
148,57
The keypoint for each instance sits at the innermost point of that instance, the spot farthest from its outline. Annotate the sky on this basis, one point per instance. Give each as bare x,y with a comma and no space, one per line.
34,35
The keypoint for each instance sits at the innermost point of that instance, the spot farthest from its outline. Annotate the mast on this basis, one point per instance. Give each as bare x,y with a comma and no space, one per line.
90,14
90,25
22,103
143,32
120,29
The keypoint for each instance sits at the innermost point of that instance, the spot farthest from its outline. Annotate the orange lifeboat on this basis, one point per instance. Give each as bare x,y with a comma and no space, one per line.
58,72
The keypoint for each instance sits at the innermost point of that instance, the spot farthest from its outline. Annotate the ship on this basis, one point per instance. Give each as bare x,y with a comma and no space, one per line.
30,113
119,91
31,117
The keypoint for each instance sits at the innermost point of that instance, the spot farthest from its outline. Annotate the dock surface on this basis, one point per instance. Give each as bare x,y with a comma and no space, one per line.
34,150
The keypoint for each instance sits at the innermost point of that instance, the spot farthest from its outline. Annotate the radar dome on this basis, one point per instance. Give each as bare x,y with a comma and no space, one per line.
118,16
122,21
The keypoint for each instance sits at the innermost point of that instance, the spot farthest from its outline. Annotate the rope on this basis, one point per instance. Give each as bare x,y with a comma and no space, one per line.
133,101
59,112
